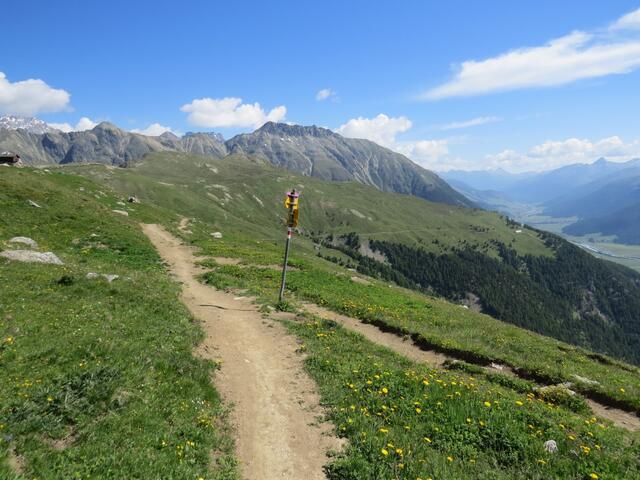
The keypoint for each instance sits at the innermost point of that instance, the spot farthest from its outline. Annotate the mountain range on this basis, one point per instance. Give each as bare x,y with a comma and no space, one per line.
105,143
30,124
322,153
603,196
309,150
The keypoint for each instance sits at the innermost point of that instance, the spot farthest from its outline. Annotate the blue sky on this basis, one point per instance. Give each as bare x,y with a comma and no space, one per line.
457,84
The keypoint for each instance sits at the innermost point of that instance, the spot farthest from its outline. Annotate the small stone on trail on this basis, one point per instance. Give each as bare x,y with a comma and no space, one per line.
551,446
121,212
25,241
31,256
216,235
33,204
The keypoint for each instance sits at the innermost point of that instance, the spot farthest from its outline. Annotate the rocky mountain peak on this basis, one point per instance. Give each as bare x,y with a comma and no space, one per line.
212,135
31,124
107,126
285,129
169,136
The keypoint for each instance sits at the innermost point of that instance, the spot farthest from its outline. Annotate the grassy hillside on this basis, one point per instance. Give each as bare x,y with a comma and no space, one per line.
134,339
98,379
515,271
408,421
239,193
243,200
571,297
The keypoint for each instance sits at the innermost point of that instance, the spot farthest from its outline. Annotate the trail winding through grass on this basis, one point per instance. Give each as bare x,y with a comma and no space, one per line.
275,401
406,347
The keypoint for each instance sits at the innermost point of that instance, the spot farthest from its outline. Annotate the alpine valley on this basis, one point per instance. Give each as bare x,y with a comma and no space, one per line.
468,283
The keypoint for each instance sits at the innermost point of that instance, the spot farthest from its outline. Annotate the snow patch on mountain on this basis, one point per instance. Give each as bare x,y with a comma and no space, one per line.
30,124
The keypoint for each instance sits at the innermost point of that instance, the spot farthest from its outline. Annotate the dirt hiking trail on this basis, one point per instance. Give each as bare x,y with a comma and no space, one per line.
275,401
407,348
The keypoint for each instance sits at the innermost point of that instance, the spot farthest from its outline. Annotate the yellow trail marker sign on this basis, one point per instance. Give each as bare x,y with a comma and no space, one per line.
291,204
291,200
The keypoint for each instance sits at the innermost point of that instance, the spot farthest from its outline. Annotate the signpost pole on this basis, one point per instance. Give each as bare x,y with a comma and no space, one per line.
284,267
292,202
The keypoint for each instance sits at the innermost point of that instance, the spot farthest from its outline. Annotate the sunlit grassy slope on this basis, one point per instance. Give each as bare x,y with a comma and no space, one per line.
407,421
243,200
128,397
241,195
97,379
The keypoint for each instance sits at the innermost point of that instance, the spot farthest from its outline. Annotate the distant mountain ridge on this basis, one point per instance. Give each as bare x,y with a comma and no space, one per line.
105,143
541,187
309,150
30,124
322,153
604,196
610,208
494,180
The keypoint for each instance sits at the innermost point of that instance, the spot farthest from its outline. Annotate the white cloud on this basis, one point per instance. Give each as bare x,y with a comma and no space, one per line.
153,130
30,97
629,21
83,124
471,123
63,127
230,112
381,129
554,154
324,94
431,154
425,150
578,55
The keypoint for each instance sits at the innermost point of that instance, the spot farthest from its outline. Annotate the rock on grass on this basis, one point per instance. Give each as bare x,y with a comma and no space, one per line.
25,241
31,256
